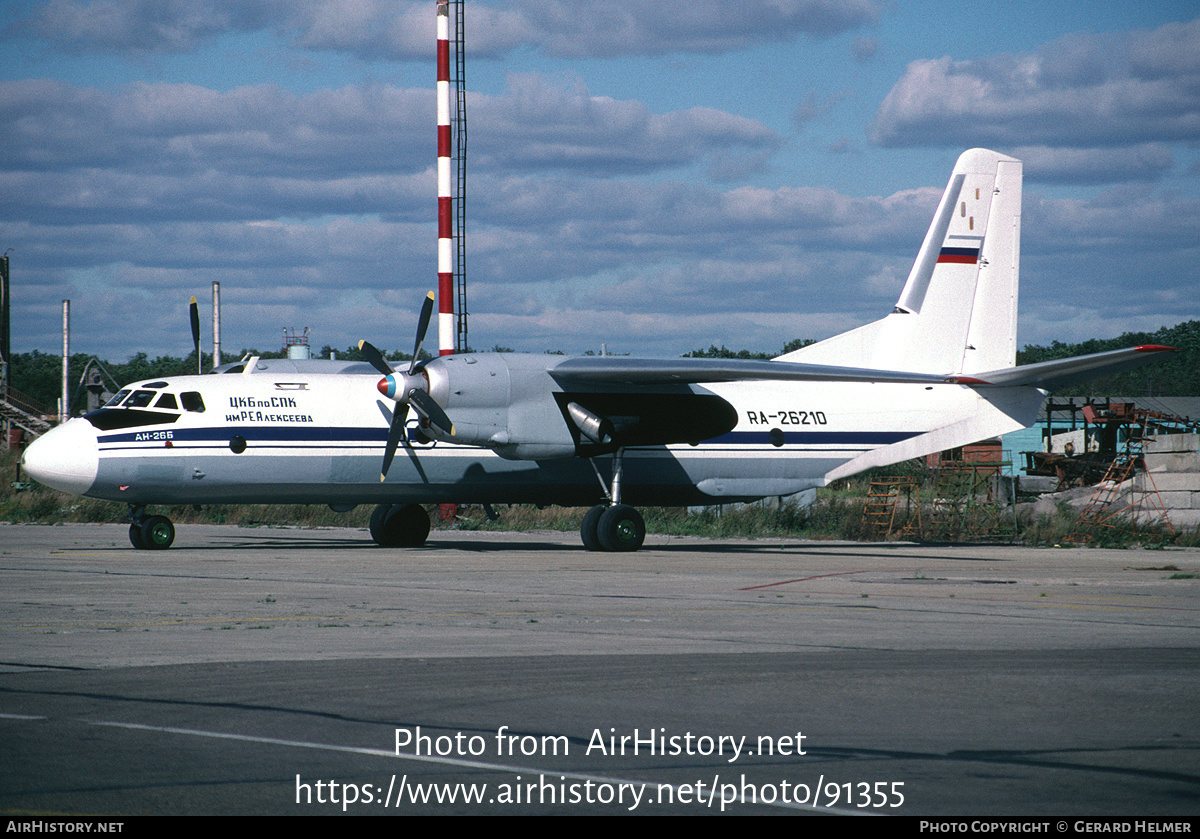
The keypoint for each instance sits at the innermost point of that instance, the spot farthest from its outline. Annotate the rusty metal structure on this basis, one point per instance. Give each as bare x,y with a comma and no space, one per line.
1107,425
880,512
965,498
969,501
1117,504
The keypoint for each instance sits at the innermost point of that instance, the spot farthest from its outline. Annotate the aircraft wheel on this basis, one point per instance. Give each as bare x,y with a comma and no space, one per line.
157,533
135,536
621,528
589,530
399,525
378,517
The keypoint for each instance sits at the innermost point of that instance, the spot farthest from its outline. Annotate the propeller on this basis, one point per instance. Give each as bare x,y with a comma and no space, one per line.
195,310
407,389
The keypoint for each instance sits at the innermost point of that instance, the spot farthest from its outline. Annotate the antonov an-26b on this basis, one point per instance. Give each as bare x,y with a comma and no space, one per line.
600,431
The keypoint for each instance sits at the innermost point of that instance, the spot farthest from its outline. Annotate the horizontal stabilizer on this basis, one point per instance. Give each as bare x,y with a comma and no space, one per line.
1050,375
649,371
1000,411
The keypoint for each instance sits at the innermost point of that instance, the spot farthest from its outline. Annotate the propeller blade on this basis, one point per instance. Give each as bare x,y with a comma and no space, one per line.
422,328
375,357
419,400
195,312
431,411
395,436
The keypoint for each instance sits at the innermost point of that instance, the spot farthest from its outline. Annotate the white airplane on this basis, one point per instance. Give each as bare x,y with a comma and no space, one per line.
606,432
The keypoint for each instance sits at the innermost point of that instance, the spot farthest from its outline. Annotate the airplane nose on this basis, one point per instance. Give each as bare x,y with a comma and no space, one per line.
65,458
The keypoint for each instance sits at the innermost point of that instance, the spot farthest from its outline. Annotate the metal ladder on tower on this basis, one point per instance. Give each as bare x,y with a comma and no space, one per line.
1099,513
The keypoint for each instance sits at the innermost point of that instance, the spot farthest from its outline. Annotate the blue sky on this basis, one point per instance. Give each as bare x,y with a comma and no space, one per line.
652,178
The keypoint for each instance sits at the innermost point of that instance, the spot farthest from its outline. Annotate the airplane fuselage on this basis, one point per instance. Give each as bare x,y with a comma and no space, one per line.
319,438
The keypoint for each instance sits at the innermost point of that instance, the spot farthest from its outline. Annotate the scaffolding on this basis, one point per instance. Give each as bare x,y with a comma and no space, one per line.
1108,510
18,411
970,500
880,512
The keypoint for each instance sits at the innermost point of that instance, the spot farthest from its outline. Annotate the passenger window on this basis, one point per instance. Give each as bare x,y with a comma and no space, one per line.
167,401
192,401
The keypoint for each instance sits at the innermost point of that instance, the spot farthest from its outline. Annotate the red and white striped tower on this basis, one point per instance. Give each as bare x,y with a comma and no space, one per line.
446,324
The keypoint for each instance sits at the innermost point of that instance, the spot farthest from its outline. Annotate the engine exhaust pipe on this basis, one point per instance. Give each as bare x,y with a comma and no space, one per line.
595,428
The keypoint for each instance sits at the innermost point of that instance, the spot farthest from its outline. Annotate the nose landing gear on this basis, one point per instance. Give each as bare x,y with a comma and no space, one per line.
399,525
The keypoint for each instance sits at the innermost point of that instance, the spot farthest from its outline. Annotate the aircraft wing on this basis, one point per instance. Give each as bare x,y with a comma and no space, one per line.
613,370
1049,375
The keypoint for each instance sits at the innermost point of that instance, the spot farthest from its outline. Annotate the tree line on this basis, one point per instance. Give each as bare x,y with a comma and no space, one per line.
37,374
1175,374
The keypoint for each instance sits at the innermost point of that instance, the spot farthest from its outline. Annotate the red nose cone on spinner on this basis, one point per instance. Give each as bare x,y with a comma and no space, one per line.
386,387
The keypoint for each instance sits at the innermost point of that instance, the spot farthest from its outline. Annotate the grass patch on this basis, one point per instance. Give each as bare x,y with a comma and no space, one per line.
830,518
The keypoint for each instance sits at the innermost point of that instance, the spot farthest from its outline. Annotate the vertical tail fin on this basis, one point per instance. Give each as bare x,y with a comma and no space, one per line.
958,310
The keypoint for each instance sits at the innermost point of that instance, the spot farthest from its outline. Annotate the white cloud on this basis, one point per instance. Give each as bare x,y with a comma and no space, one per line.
146,25
124,198
663,267
589,216
539,123
585,28
1140,162
182,129
1080,91
383,29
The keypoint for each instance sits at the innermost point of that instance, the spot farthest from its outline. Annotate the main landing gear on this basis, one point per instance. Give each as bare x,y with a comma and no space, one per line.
616,528
613,526
399,525
149,532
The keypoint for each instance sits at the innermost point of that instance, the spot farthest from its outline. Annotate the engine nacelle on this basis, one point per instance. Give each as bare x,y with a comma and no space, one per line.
513,404
502,401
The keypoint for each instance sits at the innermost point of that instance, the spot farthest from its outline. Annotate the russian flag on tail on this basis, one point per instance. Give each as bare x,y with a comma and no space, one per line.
962,256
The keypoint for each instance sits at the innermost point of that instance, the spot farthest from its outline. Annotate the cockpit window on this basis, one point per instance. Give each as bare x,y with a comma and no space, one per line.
118,399
140,399
107,419
127,408
192,401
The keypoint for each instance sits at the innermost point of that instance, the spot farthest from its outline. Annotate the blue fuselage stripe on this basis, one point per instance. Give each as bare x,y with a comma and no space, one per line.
333,436
264,433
